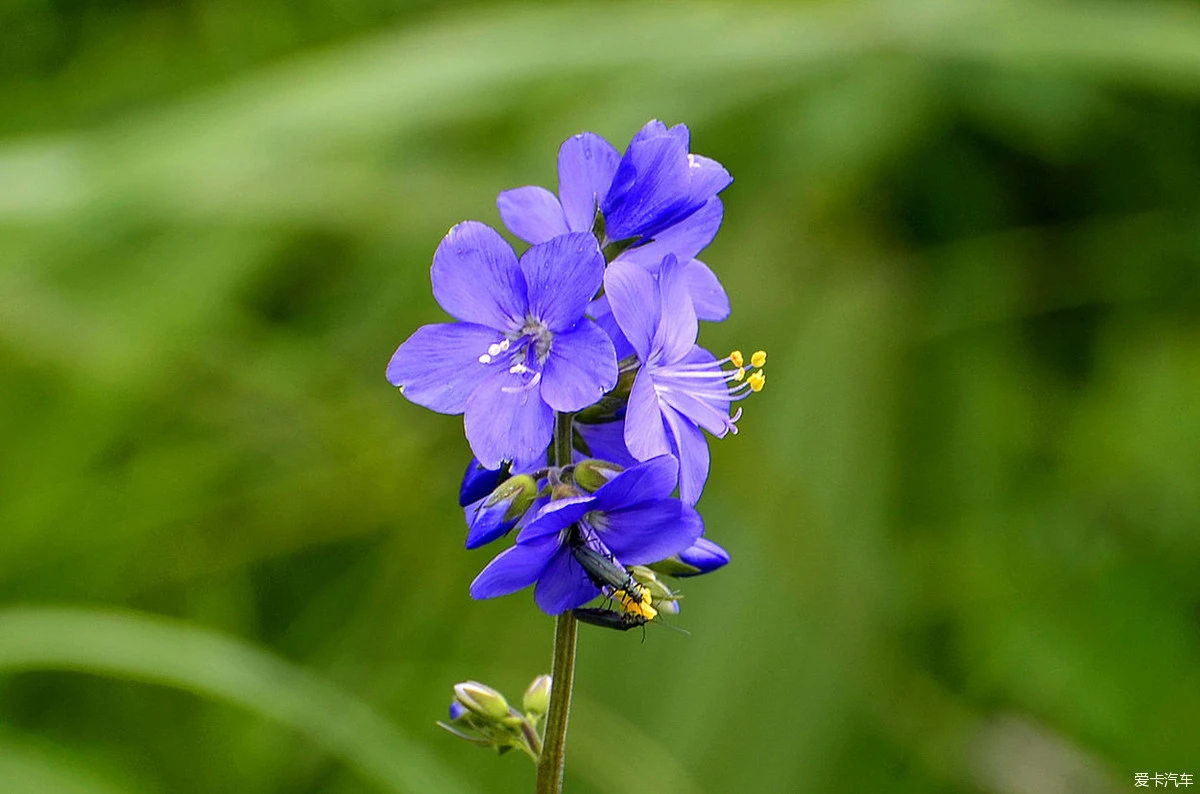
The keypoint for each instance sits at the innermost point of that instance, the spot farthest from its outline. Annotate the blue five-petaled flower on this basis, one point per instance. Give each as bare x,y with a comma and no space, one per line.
522,348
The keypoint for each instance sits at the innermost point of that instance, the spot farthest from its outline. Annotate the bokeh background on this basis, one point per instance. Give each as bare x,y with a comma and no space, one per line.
963,513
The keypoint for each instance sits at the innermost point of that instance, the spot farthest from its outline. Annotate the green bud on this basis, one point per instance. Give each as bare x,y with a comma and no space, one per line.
593,473
537,696
519,491
482,700
664,598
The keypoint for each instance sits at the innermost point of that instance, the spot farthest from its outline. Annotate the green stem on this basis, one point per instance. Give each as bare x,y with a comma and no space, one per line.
554,748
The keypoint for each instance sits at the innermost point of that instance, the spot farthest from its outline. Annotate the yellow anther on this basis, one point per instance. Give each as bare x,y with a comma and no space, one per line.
759,358
741,373
736,358
757,381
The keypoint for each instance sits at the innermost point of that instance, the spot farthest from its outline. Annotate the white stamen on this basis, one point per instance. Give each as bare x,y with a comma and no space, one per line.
495,350
485,359
504,345
518,369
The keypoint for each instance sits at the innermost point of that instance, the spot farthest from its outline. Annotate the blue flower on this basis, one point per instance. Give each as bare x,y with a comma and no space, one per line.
657,194
631,518
680,387
703,555
522,348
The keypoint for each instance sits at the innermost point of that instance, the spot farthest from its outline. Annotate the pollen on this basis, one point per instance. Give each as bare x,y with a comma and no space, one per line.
757,381
640,608
741,373
759,358
736,359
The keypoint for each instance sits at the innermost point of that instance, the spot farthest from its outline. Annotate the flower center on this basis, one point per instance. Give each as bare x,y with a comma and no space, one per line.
524,350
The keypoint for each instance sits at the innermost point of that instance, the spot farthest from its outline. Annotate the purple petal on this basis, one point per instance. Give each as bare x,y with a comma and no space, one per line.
477,279
513,569
649,481
708,177
478,482
677,328
555,517
586,164
685,239
645,435
656,129
487,523
564,585
651,189
607,442
438,366
702,402
581,367
705,556
562,276
506,420
635,303
652,531
601,312
708,296
532,213
692,450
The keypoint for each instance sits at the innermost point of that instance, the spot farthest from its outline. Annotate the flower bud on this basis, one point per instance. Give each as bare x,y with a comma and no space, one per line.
482,700
501,510
537,696
701,557
591,473
478,482
457,710
705,556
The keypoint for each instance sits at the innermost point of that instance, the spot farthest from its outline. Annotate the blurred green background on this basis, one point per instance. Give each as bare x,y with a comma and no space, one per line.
963,514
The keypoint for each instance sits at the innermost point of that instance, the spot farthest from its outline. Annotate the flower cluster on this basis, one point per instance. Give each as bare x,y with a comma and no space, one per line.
591,332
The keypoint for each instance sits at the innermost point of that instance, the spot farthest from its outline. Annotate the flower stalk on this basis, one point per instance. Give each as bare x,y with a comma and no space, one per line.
552,763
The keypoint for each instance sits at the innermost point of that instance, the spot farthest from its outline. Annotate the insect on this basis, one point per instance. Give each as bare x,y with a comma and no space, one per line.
611,619
606,572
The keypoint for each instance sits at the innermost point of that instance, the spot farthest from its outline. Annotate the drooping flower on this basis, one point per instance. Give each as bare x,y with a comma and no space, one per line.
680,387
522,348
631,519
657,197
703,556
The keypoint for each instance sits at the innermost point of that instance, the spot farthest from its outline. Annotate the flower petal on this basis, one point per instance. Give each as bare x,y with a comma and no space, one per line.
564,585
581,367
651,531
513,569
646,482
555,517
586,164
532,213
651,189
607,442
708,177
708,296
507,420
562,276
691,447
685,239
477,279
705,556
677,328
645,435
438,366
601,312
633,297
